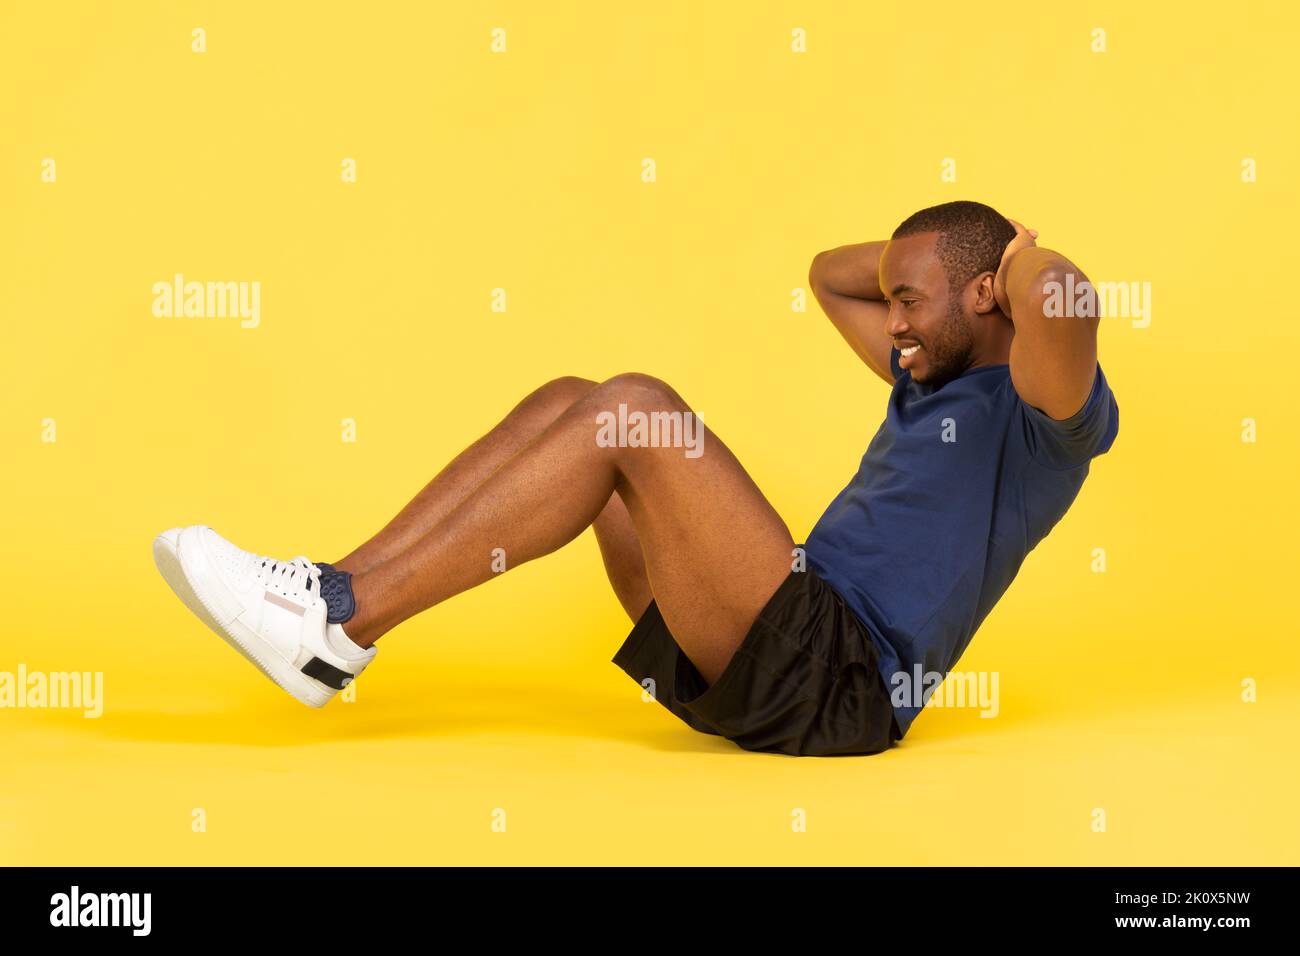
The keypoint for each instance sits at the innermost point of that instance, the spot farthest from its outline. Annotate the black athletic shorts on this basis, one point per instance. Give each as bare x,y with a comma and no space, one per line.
805,680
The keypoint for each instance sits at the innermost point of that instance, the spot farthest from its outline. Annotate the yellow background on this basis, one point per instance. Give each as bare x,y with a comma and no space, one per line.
521,170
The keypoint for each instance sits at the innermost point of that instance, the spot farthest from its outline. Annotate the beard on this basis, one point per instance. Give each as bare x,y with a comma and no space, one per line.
950,352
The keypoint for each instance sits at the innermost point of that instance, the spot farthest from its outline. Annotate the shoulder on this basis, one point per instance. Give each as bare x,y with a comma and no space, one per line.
1074,441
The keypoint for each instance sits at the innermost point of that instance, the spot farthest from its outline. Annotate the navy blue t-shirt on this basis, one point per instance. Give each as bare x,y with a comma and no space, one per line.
957,486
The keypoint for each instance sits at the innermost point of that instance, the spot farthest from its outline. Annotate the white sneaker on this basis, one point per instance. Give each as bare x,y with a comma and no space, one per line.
270,611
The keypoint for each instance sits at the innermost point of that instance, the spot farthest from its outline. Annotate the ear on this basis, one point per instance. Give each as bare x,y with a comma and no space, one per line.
985,301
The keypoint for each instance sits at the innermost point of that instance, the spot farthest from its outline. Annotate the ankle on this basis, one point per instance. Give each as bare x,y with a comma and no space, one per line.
362,634
352,564
336,589
363,626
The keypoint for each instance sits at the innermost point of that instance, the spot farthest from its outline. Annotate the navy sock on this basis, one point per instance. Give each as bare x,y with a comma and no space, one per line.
336,589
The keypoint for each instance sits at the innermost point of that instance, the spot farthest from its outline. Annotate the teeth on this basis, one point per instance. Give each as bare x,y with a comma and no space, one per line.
912,351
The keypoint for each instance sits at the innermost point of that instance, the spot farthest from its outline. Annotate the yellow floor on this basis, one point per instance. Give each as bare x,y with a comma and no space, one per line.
419,768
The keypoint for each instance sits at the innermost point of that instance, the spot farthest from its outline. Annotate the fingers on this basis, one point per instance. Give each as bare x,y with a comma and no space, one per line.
1020,228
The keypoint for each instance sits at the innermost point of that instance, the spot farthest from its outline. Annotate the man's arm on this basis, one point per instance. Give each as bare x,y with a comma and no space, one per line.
846,282
1053,358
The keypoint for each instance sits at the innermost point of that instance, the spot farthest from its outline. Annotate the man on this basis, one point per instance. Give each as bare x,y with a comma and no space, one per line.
997,407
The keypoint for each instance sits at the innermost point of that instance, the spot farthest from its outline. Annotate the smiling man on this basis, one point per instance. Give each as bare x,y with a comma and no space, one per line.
994,414
996,411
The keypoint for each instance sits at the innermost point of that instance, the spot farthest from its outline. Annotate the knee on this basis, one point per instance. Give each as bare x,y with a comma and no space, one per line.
637,390
568,386
561,393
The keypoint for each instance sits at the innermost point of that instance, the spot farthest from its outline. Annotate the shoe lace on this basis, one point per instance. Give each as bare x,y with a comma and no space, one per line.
297,578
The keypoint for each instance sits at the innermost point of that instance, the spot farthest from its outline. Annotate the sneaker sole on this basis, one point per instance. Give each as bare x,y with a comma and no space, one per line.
184,566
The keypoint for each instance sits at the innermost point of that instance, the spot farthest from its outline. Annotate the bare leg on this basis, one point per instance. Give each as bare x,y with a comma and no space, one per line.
619,547
714,549
525,422
624,560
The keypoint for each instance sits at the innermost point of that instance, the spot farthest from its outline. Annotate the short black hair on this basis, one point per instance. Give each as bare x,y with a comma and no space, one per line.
972,237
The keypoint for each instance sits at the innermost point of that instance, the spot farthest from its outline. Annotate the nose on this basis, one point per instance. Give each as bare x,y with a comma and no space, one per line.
895,326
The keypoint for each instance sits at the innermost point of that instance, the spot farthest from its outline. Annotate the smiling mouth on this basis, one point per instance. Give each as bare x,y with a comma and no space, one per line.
910,350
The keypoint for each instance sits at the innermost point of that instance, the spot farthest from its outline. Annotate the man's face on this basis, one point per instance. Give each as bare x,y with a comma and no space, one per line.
928,324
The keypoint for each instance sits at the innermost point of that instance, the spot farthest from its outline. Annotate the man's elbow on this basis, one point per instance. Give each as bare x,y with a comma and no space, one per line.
1060,289
1047,270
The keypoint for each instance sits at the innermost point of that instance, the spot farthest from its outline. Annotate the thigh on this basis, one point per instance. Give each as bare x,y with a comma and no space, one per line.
620,550
715,550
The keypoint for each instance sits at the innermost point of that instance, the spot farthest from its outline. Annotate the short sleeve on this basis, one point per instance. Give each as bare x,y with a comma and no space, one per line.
1087,433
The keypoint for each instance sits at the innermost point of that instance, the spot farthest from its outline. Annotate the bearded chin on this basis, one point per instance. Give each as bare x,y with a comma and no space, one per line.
953,349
